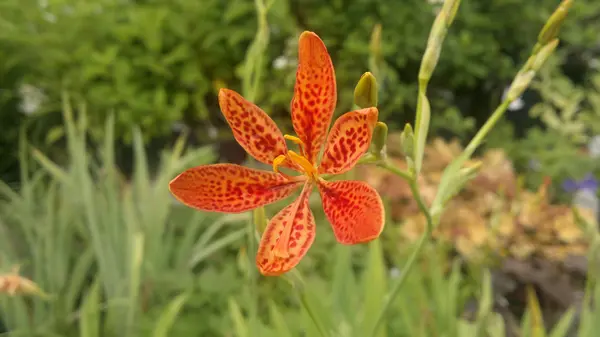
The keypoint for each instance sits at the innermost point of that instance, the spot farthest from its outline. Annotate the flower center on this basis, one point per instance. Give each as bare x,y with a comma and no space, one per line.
299,159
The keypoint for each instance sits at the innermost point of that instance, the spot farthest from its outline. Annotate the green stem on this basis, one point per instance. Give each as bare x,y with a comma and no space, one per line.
402,174
252,310
486,128
312,314
414,187
297,283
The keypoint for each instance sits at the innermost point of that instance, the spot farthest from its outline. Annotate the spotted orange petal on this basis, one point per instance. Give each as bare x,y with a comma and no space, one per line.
348,140
287,237
354,210
314,94
230,188
253,129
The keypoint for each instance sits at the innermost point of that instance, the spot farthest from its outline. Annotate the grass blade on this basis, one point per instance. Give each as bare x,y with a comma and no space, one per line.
168,316
89,323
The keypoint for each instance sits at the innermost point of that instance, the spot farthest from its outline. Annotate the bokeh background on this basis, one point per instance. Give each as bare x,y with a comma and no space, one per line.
103,102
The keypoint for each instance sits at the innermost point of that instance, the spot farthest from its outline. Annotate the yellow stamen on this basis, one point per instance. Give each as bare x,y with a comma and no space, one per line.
294,139
278,161
297,141
303,162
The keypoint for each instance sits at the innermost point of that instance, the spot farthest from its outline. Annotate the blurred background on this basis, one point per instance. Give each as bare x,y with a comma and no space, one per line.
103,102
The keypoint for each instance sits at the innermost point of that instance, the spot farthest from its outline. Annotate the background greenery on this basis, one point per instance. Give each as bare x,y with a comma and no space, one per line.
85,208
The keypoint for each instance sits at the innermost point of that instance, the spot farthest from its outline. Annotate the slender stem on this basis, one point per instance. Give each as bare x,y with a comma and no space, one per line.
312,315
414,187
252,280
486,128
400,173
401,280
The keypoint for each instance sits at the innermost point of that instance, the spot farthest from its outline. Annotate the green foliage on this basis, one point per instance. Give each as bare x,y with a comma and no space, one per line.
347,303
120,258
154,63
450,120
572,111
116,257
149,63
570,116
11,119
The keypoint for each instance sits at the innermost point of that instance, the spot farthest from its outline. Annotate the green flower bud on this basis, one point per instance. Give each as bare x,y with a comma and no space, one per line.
429,62
543,54
408,141
365,92
552,26
519,85
437,35
421,130
375,44
452,12
379,139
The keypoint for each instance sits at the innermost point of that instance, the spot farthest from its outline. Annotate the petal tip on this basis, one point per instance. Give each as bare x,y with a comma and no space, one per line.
224,92
312,50
308,34
373,115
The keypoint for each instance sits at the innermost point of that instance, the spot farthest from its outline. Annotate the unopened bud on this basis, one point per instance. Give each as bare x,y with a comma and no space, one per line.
430,60
408,141
519,85
375,44
552,26
379,140
421,129
452,9
365,92
438,32
543,54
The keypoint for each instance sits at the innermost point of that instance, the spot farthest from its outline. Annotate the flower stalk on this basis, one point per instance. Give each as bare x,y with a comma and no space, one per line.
455,176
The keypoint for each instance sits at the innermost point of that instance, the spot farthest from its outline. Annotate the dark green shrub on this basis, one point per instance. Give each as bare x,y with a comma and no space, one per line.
154,63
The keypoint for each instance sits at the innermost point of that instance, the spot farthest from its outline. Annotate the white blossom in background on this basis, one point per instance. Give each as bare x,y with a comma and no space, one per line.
436,6
594,63
517,104
178,126
587,198
281,62
213,132
32,99
594,147
534,164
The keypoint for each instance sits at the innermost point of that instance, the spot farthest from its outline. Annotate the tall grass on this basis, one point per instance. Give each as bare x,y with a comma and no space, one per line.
104,248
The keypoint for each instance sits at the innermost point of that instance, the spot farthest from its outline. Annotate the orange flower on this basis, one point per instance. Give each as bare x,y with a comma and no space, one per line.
354,208
13,284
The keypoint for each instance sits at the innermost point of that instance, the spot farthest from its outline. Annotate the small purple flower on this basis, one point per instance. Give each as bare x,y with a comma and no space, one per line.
587,183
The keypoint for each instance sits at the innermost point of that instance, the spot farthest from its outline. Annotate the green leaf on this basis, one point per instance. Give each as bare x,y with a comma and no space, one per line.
169,315
375,289
561,329
89,323
239,323
278,321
